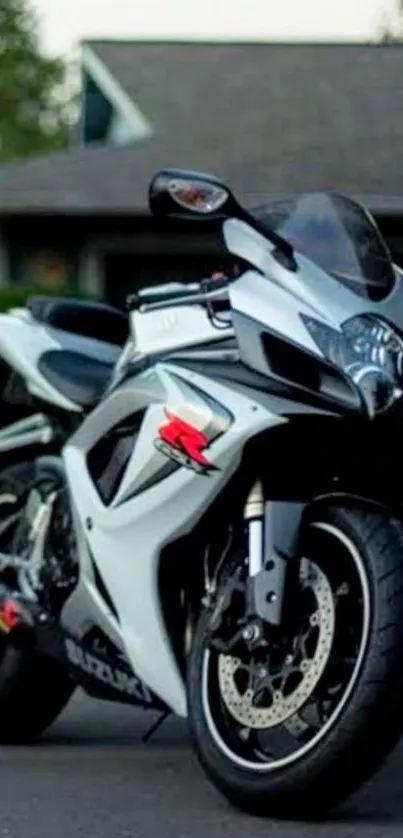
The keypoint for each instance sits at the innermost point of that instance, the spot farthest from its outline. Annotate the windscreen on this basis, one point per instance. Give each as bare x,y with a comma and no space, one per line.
338,235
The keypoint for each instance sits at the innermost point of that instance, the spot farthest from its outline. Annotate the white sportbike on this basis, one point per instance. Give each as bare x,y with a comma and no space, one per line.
221,535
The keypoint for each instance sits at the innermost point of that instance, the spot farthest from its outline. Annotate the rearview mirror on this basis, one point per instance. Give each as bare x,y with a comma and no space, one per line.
176,192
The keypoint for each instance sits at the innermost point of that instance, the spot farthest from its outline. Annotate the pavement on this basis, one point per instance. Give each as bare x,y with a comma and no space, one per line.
92,776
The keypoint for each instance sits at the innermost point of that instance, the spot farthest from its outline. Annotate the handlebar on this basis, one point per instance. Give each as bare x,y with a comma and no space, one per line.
197,292
150,297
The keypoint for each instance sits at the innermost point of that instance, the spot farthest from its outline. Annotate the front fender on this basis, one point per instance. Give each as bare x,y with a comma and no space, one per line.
346,499
284,520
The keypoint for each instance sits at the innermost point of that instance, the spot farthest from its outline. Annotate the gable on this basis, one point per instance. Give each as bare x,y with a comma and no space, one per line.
108,114
98,111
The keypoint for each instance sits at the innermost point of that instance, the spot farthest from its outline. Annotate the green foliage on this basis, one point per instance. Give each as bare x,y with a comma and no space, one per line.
391,28
34,108
14,296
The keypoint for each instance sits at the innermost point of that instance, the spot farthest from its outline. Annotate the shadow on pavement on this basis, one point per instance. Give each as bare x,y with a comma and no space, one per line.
96,726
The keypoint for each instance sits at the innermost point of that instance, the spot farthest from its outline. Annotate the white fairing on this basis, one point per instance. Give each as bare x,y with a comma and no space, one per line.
22,342
275,296
151,509
171,328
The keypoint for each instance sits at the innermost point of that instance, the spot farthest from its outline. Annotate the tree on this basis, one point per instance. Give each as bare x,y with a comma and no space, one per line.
35,113
391,30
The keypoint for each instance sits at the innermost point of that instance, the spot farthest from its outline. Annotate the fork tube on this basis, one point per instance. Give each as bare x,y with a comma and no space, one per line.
254,516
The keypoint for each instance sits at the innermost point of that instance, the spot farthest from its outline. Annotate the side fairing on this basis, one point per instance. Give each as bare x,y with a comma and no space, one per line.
184,438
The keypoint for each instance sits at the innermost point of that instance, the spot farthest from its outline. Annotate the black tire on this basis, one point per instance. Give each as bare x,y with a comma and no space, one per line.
367,727
33,690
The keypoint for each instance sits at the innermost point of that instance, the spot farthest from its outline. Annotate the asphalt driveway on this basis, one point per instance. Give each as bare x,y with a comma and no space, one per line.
92,776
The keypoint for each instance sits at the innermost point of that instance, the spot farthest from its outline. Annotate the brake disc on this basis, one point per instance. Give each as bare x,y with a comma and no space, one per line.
281,707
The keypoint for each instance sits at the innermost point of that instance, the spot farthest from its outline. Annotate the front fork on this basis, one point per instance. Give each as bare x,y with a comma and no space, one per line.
272,532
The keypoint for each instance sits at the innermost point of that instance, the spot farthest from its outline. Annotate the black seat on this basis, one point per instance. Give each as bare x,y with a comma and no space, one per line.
81,317
81,379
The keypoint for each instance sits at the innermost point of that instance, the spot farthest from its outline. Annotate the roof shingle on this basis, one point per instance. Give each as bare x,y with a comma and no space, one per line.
270,118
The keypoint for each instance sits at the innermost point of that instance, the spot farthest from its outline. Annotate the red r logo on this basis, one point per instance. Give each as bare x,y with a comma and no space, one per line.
185,438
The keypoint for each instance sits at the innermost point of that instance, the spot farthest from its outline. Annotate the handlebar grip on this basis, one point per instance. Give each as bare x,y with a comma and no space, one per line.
169,295
135,301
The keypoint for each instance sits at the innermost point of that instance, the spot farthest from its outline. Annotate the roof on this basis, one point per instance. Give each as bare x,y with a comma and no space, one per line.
105,180
270,118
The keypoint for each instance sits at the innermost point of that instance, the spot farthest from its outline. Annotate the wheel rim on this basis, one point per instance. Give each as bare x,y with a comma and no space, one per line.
243,738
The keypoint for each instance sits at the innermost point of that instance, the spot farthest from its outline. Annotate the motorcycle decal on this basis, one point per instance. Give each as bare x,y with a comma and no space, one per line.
183,442
191,428
116,678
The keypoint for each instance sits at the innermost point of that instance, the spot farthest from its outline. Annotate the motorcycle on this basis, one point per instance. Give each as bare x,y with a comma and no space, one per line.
82,339
221,537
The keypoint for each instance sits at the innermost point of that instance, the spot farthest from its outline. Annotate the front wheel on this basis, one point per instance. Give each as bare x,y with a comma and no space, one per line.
292,727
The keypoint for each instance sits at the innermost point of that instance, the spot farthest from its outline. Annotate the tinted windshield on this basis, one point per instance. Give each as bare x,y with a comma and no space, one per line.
339,236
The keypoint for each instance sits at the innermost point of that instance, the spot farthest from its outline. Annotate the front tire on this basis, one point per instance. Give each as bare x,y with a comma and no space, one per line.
325,764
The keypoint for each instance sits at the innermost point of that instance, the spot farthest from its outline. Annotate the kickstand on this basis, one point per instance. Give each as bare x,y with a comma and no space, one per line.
160,721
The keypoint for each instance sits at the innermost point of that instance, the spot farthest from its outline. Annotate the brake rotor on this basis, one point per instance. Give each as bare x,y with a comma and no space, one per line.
308,670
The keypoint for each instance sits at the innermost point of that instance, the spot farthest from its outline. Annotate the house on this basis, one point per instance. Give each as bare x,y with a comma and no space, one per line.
270,118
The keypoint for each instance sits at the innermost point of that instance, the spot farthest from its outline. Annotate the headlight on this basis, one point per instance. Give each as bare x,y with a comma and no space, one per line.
369,351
